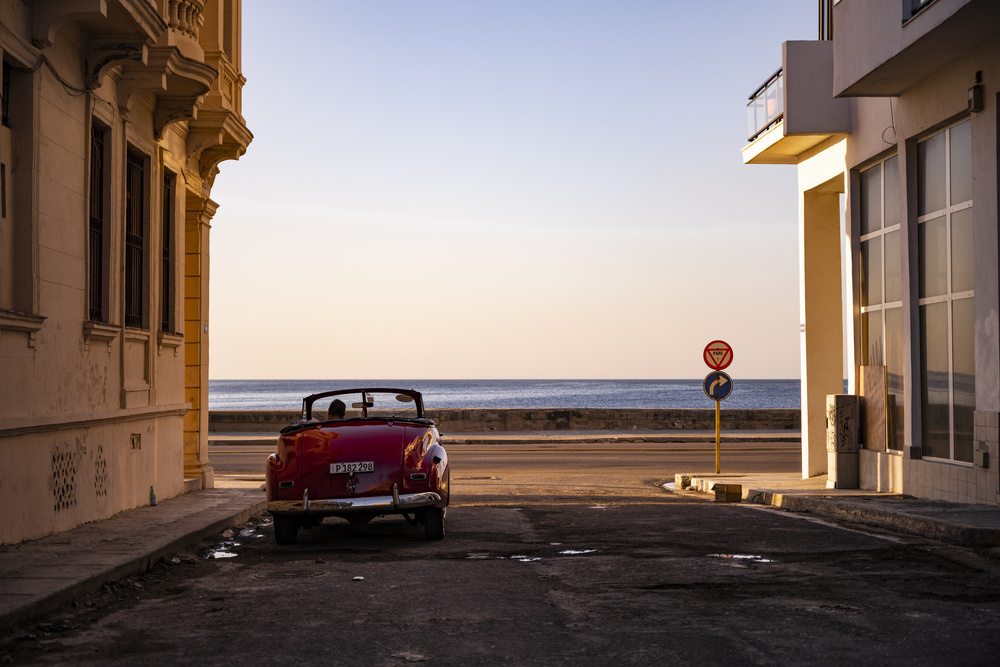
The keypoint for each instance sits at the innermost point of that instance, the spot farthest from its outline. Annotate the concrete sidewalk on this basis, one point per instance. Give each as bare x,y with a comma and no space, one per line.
38,576
955,523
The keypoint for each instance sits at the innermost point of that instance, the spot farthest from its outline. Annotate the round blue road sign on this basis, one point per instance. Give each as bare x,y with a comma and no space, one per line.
718,386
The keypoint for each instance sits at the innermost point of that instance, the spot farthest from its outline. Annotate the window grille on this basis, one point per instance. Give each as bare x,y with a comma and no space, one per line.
167,280
95,276
135,241
5,96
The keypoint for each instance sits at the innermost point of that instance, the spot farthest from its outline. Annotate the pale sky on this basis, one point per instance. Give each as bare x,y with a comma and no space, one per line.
505,189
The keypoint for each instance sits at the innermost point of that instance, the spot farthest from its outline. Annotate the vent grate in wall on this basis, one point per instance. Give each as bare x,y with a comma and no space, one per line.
101,473
64,466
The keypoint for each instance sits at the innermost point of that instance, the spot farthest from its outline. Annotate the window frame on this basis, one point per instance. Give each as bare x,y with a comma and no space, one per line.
98,263
895,439
912,8
168,253
135,232
18,228
948,297
8,69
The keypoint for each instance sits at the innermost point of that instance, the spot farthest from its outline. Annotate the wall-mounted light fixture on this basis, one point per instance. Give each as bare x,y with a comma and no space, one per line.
976,94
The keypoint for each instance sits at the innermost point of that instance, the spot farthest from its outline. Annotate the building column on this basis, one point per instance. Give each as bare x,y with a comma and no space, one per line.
820,305
198,216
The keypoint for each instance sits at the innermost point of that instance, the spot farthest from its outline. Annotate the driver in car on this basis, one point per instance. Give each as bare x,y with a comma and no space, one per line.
337,409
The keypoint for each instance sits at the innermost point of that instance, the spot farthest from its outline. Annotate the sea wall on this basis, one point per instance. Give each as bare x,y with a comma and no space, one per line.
471,420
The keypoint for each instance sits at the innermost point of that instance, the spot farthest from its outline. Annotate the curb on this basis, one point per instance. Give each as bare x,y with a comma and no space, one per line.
935,529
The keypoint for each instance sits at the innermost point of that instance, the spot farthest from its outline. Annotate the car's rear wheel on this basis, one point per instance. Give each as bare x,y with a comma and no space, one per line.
434,523
286,529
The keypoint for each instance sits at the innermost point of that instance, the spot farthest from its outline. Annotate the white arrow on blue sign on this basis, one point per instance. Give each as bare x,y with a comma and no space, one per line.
718,386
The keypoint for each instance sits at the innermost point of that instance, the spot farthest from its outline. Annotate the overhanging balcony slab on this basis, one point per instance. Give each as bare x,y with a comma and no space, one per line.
775,147
810,114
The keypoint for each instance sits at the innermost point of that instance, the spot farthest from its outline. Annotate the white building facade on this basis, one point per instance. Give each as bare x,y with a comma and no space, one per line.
891,118
116,115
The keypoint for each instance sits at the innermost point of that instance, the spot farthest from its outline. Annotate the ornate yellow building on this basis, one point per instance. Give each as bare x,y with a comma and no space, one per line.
116,115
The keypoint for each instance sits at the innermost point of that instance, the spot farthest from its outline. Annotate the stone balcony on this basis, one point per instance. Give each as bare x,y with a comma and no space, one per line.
794,111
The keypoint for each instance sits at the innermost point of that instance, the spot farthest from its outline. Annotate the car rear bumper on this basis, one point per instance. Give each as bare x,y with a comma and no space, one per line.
347,506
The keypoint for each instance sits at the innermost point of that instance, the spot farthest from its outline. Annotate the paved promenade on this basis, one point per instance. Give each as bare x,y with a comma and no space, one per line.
38,576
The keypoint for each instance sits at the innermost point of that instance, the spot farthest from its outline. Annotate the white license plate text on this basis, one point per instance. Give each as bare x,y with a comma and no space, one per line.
352,466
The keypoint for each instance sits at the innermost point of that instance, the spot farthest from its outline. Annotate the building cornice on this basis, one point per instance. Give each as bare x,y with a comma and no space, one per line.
15,426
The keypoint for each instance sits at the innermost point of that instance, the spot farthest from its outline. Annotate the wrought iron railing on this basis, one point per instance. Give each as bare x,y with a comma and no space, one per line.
766,106
135,239
167,265
95,273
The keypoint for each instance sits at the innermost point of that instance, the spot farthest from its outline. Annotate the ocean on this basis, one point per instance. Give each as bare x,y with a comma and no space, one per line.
288,394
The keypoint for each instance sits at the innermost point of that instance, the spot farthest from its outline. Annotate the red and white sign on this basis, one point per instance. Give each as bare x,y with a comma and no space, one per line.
718,355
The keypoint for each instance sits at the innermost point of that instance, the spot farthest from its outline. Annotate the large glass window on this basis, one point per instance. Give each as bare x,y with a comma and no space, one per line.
882,285
946,296
17,166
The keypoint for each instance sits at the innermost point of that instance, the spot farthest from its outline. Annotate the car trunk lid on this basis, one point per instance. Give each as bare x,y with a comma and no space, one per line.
355,459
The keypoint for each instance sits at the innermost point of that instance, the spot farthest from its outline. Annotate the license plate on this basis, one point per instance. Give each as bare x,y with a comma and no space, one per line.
353,466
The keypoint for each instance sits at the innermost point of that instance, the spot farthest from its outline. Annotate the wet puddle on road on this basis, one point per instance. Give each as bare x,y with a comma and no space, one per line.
747,557
221,550
525,558
226,548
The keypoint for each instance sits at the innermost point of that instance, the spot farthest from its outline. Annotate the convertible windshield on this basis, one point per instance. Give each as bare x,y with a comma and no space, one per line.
368,403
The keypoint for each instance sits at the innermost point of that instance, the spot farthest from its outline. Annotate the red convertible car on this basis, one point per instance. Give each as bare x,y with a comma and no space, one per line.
358,454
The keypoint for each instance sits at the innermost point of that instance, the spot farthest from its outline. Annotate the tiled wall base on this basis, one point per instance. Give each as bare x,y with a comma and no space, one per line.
881,471
954,482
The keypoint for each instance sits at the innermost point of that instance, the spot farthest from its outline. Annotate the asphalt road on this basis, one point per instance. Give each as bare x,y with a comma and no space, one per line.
549,560
502,466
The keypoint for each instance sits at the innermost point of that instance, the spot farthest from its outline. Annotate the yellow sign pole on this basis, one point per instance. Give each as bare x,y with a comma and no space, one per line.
718,355
718,462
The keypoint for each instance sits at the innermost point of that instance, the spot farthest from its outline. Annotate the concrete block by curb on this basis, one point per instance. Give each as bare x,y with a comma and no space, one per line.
728,493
